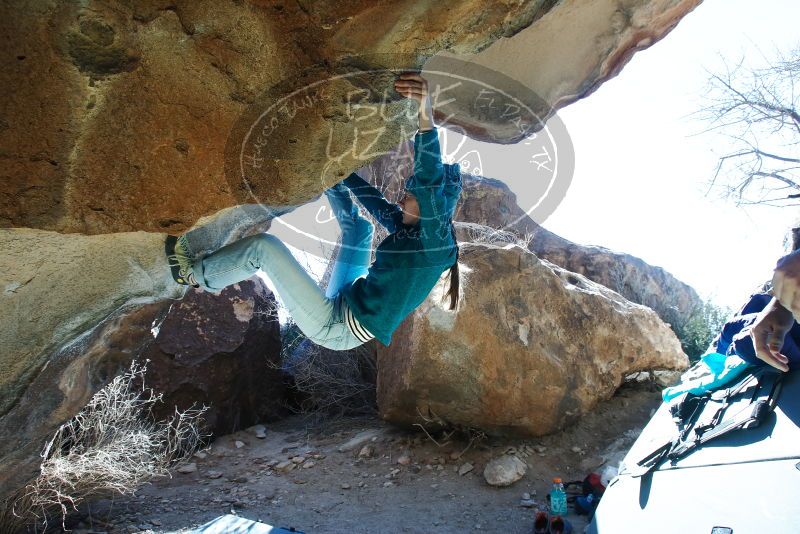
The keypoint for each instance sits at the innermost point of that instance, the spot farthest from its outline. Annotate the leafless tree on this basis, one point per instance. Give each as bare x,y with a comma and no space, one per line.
757,108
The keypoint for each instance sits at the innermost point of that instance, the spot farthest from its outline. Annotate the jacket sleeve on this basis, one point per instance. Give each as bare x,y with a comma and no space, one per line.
387,214
428,189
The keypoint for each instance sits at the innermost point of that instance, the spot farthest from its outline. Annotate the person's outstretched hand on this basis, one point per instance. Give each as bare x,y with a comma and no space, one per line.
768,332
786,282
412,85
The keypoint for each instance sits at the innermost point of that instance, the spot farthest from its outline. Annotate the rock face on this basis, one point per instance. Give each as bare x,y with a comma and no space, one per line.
628,275
221,350
532,348
54,393
490,202
56,287
119,114
595,38
123,118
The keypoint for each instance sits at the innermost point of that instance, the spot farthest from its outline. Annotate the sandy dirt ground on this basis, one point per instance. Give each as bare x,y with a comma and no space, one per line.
363,475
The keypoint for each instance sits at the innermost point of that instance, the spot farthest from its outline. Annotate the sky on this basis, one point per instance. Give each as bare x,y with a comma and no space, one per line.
642,166
642,172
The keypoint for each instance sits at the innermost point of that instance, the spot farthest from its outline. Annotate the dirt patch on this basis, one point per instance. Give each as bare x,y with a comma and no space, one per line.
363,475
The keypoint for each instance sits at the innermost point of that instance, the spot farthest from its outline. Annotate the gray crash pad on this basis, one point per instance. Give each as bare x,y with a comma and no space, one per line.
232,524
744,482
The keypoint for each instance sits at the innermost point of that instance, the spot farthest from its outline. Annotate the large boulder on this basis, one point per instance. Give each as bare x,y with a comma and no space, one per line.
596,39
44,392
490,202
119,115
58,287
221,350
532,348
76,309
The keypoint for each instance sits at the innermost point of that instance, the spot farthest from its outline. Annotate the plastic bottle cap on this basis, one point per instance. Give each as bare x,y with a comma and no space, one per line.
556,480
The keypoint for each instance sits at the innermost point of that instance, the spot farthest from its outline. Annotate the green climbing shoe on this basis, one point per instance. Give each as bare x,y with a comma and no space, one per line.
180,259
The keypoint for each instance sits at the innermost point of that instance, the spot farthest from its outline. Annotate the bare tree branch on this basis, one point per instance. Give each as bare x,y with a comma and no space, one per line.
757,110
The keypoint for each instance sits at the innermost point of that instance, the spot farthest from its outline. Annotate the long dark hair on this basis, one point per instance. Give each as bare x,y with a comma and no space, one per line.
453,276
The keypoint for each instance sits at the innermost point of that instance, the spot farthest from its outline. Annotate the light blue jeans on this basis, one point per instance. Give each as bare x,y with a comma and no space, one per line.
318,315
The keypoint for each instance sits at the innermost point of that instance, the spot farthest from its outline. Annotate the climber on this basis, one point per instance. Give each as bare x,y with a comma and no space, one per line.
362,301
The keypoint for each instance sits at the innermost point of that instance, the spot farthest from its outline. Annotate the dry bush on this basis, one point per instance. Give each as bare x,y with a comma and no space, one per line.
330,382
480,233
112,446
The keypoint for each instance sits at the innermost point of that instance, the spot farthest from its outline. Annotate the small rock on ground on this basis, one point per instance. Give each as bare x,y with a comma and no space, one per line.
359,440
188,468
504,470
259,431
465,468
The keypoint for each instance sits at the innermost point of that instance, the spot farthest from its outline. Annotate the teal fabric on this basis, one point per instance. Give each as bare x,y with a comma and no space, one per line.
412,258
713,371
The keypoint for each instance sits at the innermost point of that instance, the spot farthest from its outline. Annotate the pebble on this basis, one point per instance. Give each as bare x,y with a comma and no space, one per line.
465,468
289,447
527,503
238,444
309,464
504,470
345,486
576,449
404,459
200,455
388,484
188,468
299,459
260,431
366,451
285,466
359,440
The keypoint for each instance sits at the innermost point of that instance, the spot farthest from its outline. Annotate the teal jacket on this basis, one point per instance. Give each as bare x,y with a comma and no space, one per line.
411,259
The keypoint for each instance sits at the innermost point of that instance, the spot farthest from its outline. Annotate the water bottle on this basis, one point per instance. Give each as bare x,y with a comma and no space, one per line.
558,498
